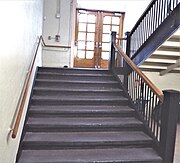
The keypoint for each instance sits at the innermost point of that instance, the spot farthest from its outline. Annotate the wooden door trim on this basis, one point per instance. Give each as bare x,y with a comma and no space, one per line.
107,11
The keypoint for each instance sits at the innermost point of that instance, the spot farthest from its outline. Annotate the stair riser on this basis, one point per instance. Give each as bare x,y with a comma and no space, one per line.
72,93
78,102
41,114
74,71
74,77
40,128
84,145
96,86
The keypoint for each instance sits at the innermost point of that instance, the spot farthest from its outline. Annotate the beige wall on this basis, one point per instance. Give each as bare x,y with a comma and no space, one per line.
63,26
167,81
20,26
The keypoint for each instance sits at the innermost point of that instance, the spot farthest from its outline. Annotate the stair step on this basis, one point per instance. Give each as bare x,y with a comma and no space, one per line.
82,116
79,100
125,155
77,81
79,111
76,84
74,70
82,124
68,91
85,140
82,77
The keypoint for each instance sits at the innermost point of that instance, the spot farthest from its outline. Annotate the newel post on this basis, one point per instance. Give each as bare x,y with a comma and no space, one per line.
126,66
128,43
112,53
169,124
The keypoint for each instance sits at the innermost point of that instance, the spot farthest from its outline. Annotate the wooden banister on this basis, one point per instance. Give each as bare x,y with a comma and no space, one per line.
24,95
140,73
23,99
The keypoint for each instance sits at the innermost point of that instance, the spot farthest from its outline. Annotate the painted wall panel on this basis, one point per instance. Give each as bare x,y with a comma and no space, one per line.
62,25
21,24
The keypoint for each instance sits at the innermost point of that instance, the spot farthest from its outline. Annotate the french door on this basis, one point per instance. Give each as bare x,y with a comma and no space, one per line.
92,36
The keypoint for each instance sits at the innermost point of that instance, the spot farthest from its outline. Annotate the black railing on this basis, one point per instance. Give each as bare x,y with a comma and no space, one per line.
157,110
152,18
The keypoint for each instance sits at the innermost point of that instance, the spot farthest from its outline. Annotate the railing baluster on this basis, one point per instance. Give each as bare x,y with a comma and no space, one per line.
145,101
138,93
137,87
130,88
154,118
151,111
162,11
146,27
149,105
149,23
157,117
159,15
166,8
133,86
154,17
143,32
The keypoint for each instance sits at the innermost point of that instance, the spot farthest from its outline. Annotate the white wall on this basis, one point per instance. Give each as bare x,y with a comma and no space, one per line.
21,24
63,26
167,81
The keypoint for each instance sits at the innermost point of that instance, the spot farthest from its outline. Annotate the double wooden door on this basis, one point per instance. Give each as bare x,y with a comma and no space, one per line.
92,37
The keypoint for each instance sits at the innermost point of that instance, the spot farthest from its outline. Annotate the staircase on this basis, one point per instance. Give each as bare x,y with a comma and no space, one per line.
82,116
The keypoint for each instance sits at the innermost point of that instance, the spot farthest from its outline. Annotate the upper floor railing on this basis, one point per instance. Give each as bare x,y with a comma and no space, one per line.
157,109
151,19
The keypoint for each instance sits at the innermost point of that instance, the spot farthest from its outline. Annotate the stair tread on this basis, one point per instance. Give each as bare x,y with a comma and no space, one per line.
76,137
73,74
74,70
79,98
134,155
69,109
77,89
77,81
80,121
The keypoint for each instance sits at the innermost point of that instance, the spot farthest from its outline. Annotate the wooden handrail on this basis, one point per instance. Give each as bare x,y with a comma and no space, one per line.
140,73
23,99
22,102
122,38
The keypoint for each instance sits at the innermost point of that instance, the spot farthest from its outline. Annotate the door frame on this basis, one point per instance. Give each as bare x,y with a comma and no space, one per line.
97,59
